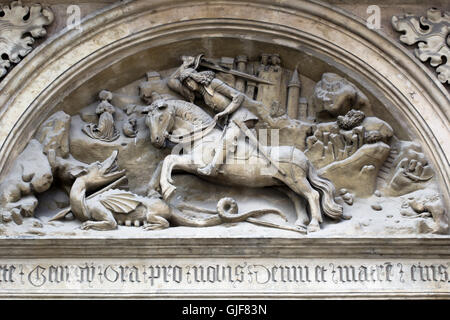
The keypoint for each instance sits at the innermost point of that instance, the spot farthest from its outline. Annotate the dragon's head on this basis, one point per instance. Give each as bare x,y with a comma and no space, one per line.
98,174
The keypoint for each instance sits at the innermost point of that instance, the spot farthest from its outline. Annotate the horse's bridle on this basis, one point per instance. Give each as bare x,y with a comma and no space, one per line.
192,136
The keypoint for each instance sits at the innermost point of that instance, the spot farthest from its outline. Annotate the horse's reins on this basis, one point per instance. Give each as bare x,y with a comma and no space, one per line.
194,135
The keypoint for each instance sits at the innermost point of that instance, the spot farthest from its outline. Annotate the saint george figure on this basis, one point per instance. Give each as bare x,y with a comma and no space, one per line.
224,101
105,130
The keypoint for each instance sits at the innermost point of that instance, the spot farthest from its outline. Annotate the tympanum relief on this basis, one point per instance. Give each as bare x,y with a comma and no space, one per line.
233,145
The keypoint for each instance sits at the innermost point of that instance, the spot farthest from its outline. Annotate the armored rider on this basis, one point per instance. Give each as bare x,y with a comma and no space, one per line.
224,100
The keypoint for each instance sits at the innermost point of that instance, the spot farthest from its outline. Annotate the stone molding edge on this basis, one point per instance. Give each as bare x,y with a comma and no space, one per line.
231,295
367,248
433,90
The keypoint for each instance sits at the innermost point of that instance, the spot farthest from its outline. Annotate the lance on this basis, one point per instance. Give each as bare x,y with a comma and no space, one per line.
255,141
211,65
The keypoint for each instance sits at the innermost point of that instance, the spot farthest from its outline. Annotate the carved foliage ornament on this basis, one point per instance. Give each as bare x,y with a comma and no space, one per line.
19,25
432,33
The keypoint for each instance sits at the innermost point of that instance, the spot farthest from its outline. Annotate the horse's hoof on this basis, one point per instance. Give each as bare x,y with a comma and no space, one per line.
300,223
313,227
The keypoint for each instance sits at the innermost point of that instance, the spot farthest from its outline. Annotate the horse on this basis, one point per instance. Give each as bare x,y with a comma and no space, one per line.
187,124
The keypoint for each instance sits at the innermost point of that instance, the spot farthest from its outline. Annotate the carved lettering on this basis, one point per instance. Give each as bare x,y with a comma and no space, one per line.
87,273
155,272
6,273
36,277
429,273
331,275
58,274
320,273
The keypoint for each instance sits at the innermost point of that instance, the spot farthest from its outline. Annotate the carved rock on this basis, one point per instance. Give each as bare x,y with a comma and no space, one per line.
336,141
358,172
377,130
24,207
376,207
410,171
30,174
427,205
336,95
346,196
54,134
431,35
13,27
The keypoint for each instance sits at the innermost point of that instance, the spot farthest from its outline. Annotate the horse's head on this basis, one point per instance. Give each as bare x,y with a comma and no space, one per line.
160,120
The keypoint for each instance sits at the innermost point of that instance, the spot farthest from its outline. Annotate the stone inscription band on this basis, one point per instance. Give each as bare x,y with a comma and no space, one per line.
251,276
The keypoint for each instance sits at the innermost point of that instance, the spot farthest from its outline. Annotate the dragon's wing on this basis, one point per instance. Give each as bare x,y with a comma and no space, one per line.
119,201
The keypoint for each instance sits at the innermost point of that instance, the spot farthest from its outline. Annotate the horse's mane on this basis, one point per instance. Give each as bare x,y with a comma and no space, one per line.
190,112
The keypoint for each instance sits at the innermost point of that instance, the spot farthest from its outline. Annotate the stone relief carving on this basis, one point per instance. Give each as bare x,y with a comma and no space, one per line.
200,139
109,207
335,95
19,25
430,32
294,170
129,127
427,206
105,130
31,174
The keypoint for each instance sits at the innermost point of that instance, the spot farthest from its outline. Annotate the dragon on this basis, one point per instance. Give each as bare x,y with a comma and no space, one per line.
110,207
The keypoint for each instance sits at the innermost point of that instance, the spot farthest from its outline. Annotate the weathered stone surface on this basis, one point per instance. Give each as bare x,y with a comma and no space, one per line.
427,204
376,207
337,96
225,277
358,172
410,171
31,174
54,134
373,124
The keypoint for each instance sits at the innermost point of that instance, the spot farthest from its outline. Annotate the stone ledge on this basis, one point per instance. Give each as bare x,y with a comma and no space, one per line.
425,248
231,295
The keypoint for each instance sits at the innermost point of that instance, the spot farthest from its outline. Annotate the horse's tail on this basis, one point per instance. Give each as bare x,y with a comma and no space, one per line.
329,206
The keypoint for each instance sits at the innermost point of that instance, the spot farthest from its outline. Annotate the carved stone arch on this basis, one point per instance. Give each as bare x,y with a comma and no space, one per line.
111,46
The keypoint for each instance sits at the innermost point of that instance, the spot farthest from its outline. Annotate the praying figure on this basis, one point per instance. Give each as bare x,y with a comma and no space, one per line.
105,130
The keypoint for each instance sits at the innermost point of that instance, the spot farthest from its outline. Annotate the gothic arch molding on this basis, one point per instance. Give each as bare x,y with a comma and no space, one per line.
51,74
